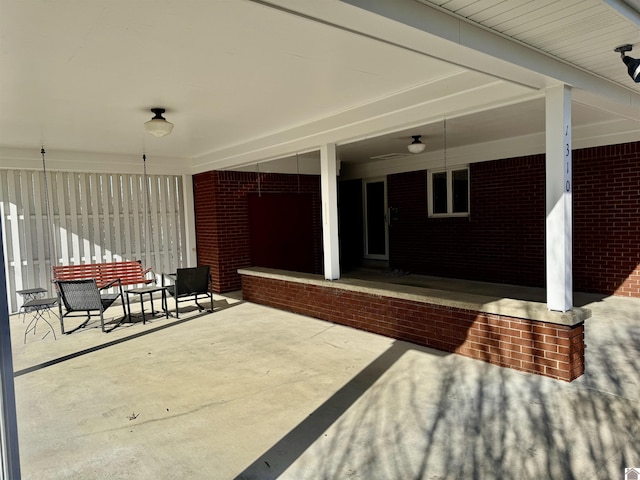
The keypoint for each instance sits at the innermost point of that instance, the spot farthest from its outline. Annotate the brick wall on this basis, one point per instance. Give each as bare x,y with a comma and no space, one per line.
547,349
503,240
222,219
207,233
607,219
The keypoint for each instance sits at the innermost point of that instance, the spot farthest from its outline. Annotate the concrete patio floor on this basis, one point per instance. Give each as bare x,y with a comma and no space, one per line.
250,392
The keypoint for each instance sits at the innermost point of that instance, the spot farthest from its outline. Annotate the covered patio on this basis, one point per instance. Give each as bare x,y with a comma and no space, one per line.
296,114
251,392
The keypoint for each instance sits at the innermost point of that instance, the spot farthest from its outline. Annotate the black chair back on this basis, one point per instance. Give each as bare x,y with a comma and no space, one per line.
190,281
84,296
80,295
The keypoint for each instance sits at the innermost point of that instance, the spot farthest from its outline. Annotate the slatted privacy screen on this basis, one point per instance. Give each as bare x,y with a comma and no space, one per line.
93,218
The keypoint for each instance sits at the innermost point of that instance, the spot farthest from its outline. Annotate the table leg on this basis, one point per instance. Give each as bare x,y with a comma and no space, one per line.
153,309
38,314
164,303
128,306
144,320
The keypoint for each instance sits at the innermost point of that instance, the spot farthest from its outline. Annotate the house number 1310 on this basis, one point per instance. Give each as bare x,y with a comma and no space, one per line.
567,159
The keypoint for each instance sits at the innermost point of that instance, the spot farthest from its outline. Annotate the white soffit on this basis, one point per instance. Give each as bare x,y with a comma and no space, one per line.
579,33
245,81
81,76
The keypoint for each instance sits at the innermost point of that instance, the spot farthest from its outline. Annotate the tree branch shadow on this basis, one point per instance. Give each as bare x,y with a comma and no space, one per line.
415,413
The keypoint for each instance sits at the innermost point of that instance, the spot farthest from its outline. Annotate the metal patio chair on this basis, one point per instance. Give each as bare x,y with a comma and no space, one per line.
190,284
85,296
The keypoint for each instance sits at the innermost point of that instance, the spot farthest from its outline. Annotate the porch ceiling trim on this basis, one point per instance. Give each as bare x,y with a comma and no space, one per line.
460,94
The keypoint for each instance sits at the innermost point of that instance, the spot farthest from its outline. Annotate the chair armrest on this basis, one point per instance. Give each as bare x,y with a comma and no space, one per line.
170,276
112,283
153,274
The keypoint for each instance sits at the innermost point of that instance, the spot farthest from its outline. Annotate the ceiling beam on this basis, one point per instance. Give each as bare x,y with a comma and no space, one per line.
464,43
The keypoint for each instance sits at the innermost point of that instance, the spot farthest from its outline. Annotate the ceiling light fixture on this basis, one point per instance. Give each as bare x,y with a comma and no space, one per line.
416,146
158,125
633,65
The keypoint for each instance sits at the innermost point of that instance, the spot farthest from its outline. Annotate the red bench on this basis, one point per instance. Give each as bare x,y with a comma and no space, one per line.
127,273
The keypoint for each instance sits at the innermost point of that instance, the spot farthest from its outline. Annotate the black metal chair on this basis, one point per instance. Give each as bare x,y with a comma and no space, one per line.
85,296
190,284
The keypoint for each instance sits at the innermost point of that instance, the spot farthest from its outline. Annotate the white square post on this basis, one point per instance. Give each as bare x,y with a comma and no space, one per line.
189,221
329,193
559,187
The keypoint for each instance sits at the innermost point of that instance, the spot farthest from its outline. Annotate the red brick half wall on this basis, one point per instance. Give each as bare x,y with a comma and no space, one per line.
470,325
223,234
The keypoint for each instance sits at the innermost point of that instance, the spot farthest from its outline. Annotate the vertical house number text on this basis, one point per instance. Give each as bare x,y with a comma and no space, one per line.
567,159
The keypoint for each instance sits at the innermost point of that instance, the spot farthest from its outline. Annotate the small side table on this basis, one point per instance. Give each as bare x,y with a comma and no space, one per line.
148,290
29,294
40,306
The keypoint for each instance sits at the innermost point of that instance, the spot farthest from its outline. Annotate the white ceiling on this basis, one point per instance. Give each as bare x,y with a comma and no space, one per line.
249,80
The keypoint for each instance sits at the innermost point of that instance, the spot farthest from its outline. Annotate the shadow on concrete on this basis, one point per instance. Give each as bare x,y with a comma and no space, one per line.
219,305
280,457
437,416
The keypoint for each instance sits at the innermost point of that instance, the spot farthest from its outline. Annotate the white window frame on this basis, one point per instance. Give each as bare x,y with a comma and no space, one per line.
449,172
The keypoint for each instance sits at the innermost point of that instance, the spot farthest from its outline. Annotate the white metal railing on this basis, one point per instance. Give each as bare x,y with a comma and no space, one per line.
93,218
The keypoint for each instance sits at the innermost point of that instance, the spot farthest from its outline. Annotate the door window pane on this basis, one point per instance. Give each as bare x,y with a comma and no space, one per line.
376,241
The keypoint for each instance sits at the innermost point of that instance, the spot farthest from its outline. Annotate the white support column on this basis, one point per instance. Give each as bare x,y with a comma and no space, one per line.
559,187
189,221
329,192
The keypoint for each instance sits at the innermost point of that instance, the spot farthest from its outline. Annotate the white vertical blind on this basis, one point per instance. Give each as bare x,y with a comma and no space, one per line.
13,225
94,218
94,215
38,241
